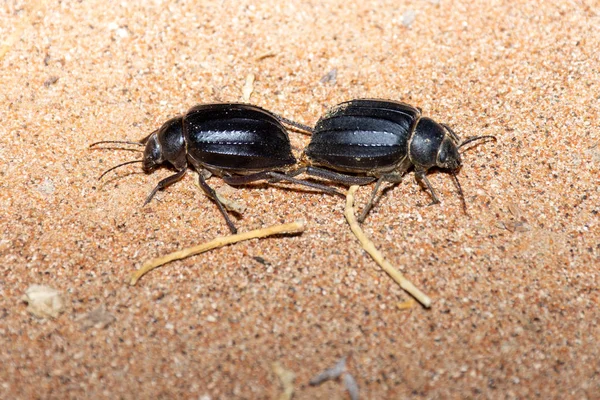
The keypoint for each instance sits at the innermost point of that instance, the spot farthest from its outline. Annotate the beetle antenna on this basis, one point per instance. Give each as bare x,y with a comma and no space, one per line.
117,166
474,138
460,191
116,141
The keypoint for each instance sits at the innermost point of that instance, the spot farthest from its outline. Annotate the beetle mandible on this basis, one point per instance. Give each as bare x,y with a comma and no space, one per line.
374,139
239,142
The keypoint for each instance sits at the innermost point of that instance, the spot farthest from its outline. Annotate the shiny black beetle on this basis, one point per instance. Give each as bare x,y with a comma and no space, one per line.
241,143
380,140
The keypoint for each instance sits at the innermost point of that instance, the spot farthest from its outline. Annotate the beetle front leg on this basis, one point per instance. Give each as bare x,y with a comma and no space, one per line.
420,176
164,183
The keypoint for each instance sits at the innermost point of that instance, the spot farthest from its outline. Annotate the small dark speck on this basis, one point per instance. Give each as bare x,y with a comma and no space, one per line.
51,81
261,260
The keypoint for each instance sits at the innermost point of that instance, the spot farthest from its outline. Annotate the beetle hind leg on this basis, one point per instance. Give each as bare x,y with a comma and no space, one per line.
332,176
273,177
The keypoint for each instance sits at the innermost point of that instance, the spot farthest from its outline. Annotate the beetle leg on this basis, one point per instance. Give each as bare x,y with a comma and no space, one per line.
297,125
420,176
235,180
369,205
164,183
334,177
393,178
210,192
285,177
276,177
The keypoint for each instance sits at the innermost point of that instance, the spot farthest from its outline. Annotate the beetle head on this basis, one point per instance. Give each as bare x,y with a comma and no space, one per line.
448,156
152,153
167,144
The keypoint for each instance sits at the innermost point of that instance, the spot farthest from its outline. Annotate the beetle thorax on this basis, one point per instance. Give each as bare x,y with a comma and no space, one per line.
433,145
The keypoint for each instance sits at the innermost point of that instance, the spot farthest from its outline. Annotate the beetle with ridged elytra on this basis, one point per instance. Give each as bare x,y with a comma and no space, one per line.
228,140
379,140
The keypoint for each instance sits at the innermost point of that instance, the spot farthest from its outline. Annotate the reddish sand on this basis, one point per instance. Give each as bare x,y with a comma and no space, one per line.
514,283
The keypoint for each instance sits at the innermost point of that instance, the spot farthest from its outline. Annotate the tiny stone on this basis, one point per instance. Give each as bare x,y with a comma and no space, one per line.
46,187
122,32
330,77
44,302
50,81
408,18
98,318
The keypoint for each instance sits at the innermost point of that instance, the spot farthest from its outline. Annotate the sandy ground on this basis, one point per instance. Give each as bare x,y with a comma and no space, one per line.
514,283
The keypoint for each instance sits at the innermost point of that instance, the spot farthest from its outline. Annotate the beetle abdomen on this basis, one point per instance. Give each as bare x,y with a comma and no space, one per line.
236,137
363,135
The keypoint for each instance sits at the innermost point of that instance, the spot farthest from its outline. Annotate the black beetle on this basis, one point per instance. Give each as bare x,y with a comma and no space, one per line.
241,143
381,139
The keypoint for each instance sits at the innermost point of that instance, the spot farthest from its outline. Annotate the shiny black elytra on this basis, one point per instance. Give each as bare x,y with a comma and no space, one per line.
380,140
241,143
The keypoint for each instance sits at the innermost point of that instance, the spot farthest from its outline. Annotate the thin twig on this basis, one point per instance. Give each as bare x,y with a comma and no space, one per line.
369,247
291,228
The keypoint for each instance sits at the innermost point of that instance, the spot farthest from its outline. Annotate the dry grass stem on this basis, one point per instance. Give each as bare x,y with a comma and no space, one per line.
248,88
294,227
369,247
286,377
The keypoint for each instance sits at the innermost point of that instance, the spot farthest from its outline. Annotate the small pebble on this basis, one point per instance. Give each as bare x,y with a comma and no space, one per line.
408,18
44,301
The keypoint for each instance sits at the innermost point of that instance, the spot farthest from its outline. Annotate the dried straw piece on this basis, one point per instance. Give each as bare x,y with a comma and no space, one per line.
406,305
294,227
248,88
369,247
286,377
